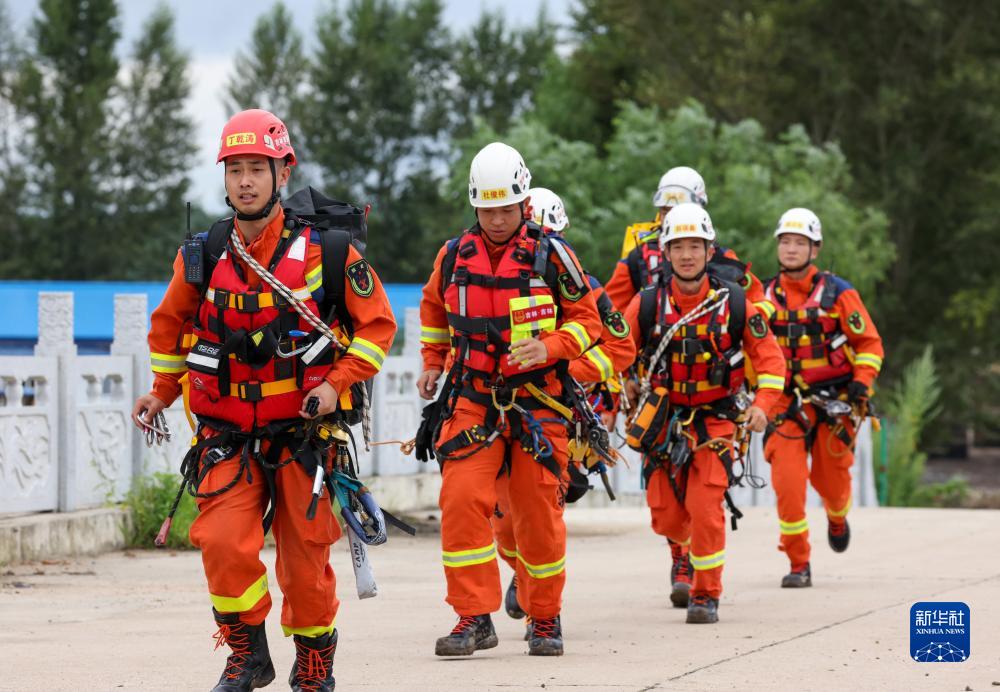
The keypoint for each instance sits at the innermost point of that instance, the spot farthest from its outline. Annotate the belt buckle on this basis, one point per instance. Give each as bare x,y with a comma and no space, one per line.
250,391
247,302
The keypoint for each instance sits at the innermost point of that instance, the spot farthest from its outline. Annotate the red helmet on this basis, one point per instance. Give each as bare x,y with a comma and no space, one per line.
256,131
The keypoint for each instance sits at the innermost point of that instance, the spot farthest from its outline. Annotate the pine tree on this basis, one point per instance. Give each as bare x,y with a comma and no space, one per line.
271,73
154,150
63,102
12,159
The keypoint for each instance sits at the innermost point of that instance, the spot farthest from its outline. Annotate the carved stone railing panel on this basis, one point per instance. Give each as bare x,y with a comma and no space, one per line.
29,424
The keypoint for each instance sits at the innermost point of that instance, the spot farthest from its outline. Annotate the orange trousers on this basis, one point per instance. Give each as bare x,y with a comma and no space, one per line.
700,521
830,475
503,524
468,501
229,533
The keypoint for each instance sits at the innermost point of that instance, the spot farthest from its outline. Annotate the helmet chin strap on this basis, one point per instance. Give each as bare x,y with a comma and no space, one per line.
266,210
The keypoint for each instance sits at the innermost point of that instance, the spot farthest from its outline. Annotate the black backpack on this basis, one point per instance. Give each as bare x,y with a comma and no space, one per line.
340,225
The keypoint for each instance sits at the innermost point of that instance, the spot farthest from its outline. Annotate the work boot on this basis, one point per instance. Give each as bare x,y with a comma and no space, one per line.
527,628
838,535
703,609
313,667
546,637
471,633
680,576
249,666
510,600
800,577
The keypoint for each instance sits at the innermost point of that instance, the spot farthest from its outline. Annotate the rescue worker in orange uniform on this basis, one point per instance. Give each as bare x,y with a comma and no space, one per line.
642,258
833,351
597,370
643,263
250,402
510,304
694,333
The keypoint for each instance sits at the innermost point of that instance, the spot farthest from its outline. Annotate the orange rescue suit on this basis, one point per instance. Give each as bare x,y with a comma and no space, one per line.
469,477
228,528
698,521
844,318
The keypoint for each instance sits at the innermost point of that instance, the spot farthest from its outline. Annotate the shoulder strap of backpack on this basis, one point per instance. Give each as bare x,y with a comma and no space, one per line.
737,311
647,311
448,262
335,245
215,244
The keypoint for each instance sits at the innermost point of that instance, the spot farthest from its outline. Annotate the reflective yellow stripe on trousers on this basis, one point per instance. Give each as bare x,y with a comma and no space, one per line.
245,601
467,558
543,571
712,561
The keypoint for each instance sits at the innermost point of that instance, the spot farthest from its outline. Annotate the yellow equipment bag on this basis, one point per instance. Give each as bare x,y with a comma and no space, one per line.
649,428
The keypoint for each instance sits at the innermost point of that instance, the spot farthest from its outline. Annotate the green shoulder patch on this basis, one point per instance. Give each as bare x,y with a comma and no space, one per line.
856,322
359,274
616,324
568,288
758,326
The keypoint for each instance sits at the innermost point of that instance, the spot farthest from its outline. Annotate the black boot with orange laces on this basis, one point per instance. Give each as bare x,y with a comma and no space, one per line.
313,668
249,666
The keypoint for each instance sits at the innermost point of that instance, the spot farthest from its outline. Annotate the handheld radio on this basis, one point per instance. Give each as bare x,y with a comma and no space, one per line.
194,255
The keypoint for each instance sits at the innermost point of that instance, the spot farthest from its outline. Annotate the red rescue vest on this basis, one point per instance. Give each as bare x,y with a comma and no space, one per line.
704,360
478,300
810,337
236,375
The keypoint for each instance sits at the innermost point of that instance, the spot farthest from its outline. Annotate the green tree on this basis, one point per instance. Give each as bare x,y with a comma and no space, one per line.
376,122
12,157
63,102
153,152
910,92
497,69
272,73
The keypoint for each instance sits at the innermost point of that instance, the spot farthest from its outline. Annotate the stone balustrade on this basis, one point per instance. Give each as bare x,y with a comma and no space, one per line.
66,441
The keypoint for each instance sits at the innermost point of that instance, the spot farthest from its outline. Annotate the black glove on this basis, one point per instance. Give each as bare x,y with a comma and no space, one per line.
857,391
430,418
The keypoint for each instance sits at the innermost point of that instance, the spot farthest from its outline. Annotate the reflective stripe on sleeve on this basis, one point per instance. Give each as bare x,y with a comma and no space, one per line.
168,362
367,351
579,333
600,359
765,381
870,359
434,335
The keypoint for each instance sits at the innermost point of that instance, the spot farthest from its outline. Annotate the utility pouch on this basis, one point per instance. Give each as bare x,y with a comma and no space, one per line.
649,428
531,315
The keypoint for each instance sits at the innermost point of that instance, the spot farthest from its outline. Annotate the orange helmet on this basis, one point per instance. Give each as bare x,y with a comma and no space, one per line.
256,131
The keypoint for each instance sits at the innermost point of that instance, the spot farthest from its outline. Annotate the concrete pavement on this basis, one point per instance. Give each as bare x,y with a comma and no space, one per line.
142,620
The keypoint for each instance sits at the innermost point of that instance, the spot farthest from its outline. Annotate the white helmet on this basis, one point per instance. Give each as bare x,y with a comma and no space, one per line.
687,220
679,185
547,209
498,177
802,222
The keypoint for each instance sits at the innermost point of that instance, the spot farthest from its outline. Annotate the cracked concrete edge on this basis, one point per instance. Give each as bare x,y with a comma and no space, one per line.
50,536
